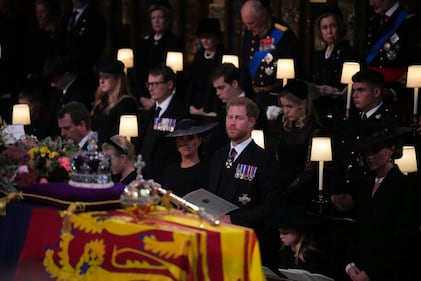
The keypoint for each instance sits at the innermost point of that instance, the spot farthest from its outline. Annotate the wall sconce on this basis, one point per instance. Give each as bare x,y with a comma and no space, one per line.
258,137
175,61
408,162
348,70
128,126
413,80
21,115
285,70
231,59
321,151
125,55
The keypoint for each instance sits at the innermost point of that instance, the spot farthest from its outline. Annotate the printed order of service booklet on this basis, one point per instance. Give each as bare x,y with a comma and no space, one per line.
212,203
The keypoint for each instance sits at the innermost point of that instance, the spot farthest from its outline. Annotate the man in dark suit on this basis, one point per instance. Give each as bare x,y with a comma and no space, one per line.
157,150
368,94
244,177
74,123
61,75
85,39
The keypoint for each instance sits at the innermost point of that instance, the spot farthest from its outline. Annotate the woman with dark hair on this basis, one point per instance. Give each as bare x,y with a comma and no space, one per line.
191,172
327,67
384,210
46,38
113,98
299,124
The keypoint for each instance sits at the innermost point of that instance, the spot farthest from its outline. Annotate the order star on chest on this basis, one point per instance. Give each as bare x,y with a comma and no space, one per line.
244,199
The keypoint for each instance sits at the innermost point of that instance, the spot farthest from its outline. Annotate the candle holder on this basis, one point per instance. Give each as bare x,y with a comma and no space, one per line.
321,151
413,80
348,70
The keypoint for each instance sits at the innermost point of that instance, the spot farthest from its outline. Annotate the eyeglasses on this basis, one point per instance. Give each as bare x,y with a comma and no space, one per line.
154,84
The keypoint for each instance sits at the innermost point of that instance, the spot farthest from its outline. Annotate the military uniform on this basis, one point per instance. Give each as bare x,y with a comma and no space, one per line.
261,54
349,164
390,51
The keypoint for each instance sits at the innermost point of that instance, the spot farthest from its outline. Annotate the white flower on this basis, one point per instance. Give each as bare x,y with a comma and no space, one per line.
273,112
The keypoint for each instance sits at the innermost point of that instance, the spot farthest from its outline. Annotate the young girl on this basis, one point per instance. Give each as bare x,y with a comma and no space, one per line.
298,249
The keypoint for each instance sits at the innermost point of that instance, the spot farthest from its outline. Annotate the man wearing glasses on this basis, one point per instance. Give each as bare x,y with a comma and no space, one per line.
157,150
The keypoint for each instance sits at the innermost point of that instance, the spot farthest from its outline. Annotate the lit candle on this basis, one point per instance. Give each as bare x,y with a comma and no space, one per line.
321,150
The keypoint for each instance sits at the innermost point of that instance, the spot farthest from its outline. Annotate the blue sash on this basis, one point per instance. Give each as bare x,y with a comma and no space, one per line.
259,55
372,52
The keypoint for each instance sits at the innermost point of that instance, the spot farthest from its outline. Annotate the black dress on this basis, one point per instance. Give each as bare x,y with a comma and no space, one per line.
200,91
297,173
106,124
184,180
328,71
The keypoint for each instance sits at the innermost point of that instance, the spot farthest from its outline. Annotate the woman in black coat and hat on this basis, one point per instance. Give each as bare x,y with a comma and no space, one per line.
385,228
191,173
200,91
113,98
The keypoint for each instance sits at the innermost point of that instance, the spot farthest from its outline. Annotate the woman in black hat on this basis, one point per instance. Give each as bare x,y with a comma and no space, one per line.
201,93
299,124
113,98
383,207
191,173
298,248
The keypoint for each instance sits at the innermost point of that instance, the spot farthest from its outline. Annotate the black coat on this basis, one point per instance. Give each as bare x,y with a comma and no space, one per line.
85,42
254,196
157,150
384,233
107,124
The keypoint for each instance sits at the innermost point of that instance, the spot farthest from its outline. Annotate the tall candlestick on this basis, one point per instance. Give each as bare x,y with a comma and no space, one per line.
415,101
321,164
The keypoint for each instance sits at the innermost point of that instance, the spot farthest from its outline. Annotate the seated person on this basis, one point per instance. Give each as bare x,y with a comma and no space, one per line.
298,249
123,157
191,173
75,124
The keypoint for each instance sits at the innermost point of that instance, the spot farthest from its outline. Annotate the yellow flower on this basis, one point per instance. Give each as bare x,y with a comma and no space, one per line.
43,151
53,154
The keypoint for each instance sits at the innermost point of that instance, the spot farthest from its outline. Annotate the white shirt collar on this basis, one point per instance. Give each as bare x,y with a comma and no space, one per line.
374,109
87,137
390,12
164,105
241,146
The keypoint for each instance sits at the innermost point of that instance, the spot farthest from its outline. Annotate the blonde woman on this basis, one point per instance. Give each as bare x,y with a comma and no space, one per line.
113,98
123,157
299,124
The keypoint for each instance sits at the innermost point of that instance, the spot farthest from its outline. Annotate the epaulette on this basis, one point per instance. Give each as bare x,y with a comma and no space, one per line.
281,27
410,16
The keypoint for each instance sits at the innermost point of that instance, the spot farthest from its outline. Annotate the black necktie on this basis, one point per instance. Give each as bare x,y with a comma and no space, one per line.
157,111
363,116
231,157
